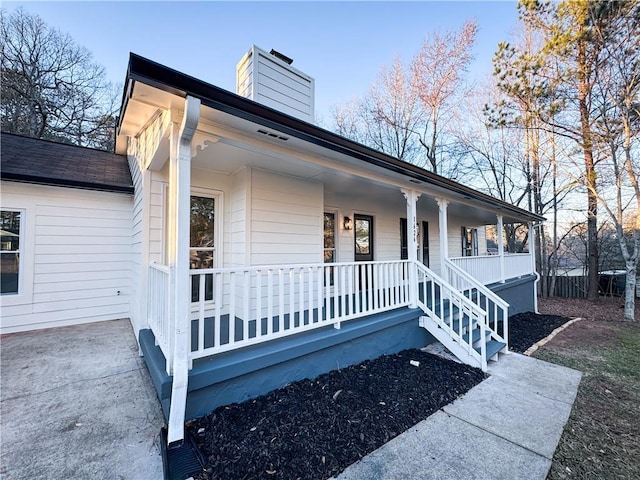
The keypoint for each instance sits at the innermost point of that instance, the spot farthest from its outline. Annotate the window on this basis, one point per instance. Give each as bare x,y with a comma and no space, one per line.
10,252
202,243
202,235
469,242
404,252
329,237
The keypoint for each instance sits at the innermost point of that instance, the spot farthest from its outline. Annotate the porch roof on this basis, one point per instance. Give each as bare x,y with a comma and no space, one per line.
173,82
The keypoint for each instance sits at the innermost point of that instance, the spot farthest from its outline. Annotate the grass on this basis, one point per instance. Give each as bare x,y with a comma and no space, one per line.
602,438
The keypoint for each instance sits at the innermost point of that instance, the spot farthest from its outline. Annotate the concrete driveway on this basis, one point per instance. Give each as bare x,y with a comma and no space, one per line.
77,403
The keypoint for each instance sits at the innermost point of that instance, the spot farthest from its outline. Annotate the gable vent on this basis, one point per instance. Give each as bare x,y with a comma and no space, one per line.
273,134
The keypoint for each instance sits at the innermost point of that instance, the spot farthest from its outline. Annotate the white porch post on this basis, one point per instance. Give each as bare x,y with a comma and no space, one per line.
412,244
532,254
181,199
444,235
500,235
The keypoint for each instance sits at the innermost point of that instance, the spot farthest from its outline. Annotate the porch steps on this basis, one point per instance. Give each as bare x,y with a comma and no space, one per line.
452,319
492,348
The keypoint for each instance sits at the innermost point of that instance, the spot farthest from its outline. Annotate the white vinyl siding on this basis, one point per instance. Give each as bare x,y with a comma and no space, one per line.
80,255
286,219
135,262
238,221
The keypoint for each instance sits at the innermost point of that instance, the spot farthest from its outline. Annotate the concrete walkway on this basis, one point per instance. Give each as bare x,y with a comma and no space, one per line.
77,403
507,427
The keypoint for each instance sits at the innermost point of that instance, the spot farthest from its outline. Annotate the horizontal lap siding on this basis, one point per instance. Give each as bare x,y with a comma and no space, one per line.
136,237
263,78
238,221
80,253
286,220
283,90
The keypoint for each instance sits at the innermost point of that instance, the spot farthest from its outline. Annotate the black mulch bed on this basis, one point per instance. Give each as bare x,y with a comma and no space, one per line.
314,429
525,329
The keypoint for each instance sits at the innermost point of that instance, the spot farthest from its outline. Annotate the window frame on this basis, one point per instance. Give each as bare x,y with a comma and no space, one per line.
27,207
218,211
217,197
335,234
21,244
470,248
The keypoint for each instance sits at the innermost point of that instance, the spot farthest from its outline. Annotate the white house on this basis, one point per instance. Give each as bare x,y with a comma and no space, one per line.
251,248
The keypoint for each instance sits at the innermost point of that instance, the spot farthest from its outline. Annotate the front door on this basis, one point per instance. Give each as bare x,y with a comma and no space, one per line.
424,241
363,238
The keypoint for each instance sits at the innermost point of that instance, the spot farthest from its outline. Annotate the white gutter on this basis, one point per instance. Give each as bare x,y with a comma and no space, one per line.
182,292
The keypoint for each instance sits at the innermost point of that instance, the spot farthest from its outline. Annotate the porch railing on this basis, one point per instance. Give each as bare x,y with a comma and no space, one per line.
496,308
487,269
518,264
237,307
158,315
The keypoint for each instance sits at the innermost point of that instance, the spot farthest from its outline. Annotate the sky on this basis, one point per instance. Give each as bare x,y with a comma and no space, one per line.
342,45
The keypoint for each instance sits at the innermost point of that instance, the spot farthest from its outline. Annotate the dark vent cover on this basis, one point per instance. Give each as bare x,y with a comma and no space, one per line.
282,57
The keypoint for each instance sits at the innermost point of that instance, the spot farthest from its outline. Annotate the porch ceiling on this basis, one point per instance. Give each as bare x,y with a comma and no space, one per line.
230,137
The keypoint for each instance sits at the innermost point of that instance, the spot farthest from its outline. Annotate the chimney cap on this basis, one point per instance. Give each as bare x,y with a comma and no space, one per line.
281,56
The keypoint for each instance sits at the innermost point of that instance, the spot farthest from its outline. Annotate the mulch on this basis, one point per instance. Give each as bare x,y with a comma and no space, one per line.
526,329
314,429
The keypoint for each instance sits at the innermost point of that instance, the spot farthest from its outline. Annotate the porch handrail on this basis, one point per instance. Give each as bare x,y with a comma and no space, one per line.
490,269
437,298
466,283
159,317
242,306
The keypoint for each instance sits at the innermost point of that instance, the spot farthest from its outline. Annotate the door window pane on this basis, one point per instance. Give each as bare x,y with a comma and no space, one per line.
9,252
362,236
469,242
329,237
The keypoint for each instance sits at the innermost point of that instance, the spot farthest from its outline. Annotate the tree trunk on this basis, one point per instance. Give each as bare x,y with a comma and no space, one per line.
589,171
630,291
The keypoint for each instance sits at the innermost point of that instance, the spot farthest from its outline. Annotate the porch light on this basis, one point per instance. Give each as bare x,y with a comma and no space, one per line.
347,223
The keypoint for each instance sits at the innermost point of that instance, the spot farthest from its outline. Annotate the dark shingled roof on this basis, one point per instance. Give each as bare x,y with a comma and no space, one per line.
34,160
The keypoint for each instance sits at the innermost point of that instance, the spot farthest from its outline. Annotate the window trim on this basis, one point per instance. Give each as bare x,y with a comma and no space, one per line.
27,245
218,199
20,252
474,247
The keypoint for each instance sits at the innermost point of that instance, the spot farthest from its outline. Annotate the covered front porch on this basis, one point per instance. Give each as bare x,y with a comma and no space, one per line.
261,251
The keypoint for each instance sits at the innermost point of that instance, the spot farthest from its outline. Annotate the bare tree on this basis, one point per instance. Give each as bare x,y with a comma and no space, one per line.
408,112
50,86
439,79
617,129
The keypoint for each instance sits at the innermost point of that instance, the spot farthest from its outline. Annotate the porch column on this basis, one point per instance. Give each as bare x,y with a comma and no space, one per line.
444,235
532,254
412,244
181,199
500,235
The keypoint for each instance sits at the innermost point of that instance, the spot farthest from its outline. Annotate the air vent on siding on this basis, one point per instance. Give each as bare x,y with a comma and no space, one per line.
273,134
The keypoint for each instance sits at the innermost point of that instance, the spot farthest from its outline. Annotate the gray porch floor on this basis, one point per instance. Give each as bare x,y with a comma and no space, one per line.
507,427
77,402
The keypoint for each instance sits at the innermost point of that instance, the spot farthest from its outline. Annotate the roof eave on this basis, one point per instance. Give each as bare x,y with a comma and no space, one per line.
60,182
180,84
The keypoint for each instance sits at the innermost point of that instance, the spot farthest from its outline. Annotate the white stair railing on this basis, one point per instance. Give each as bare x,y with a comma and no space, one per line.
497,309
454,314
